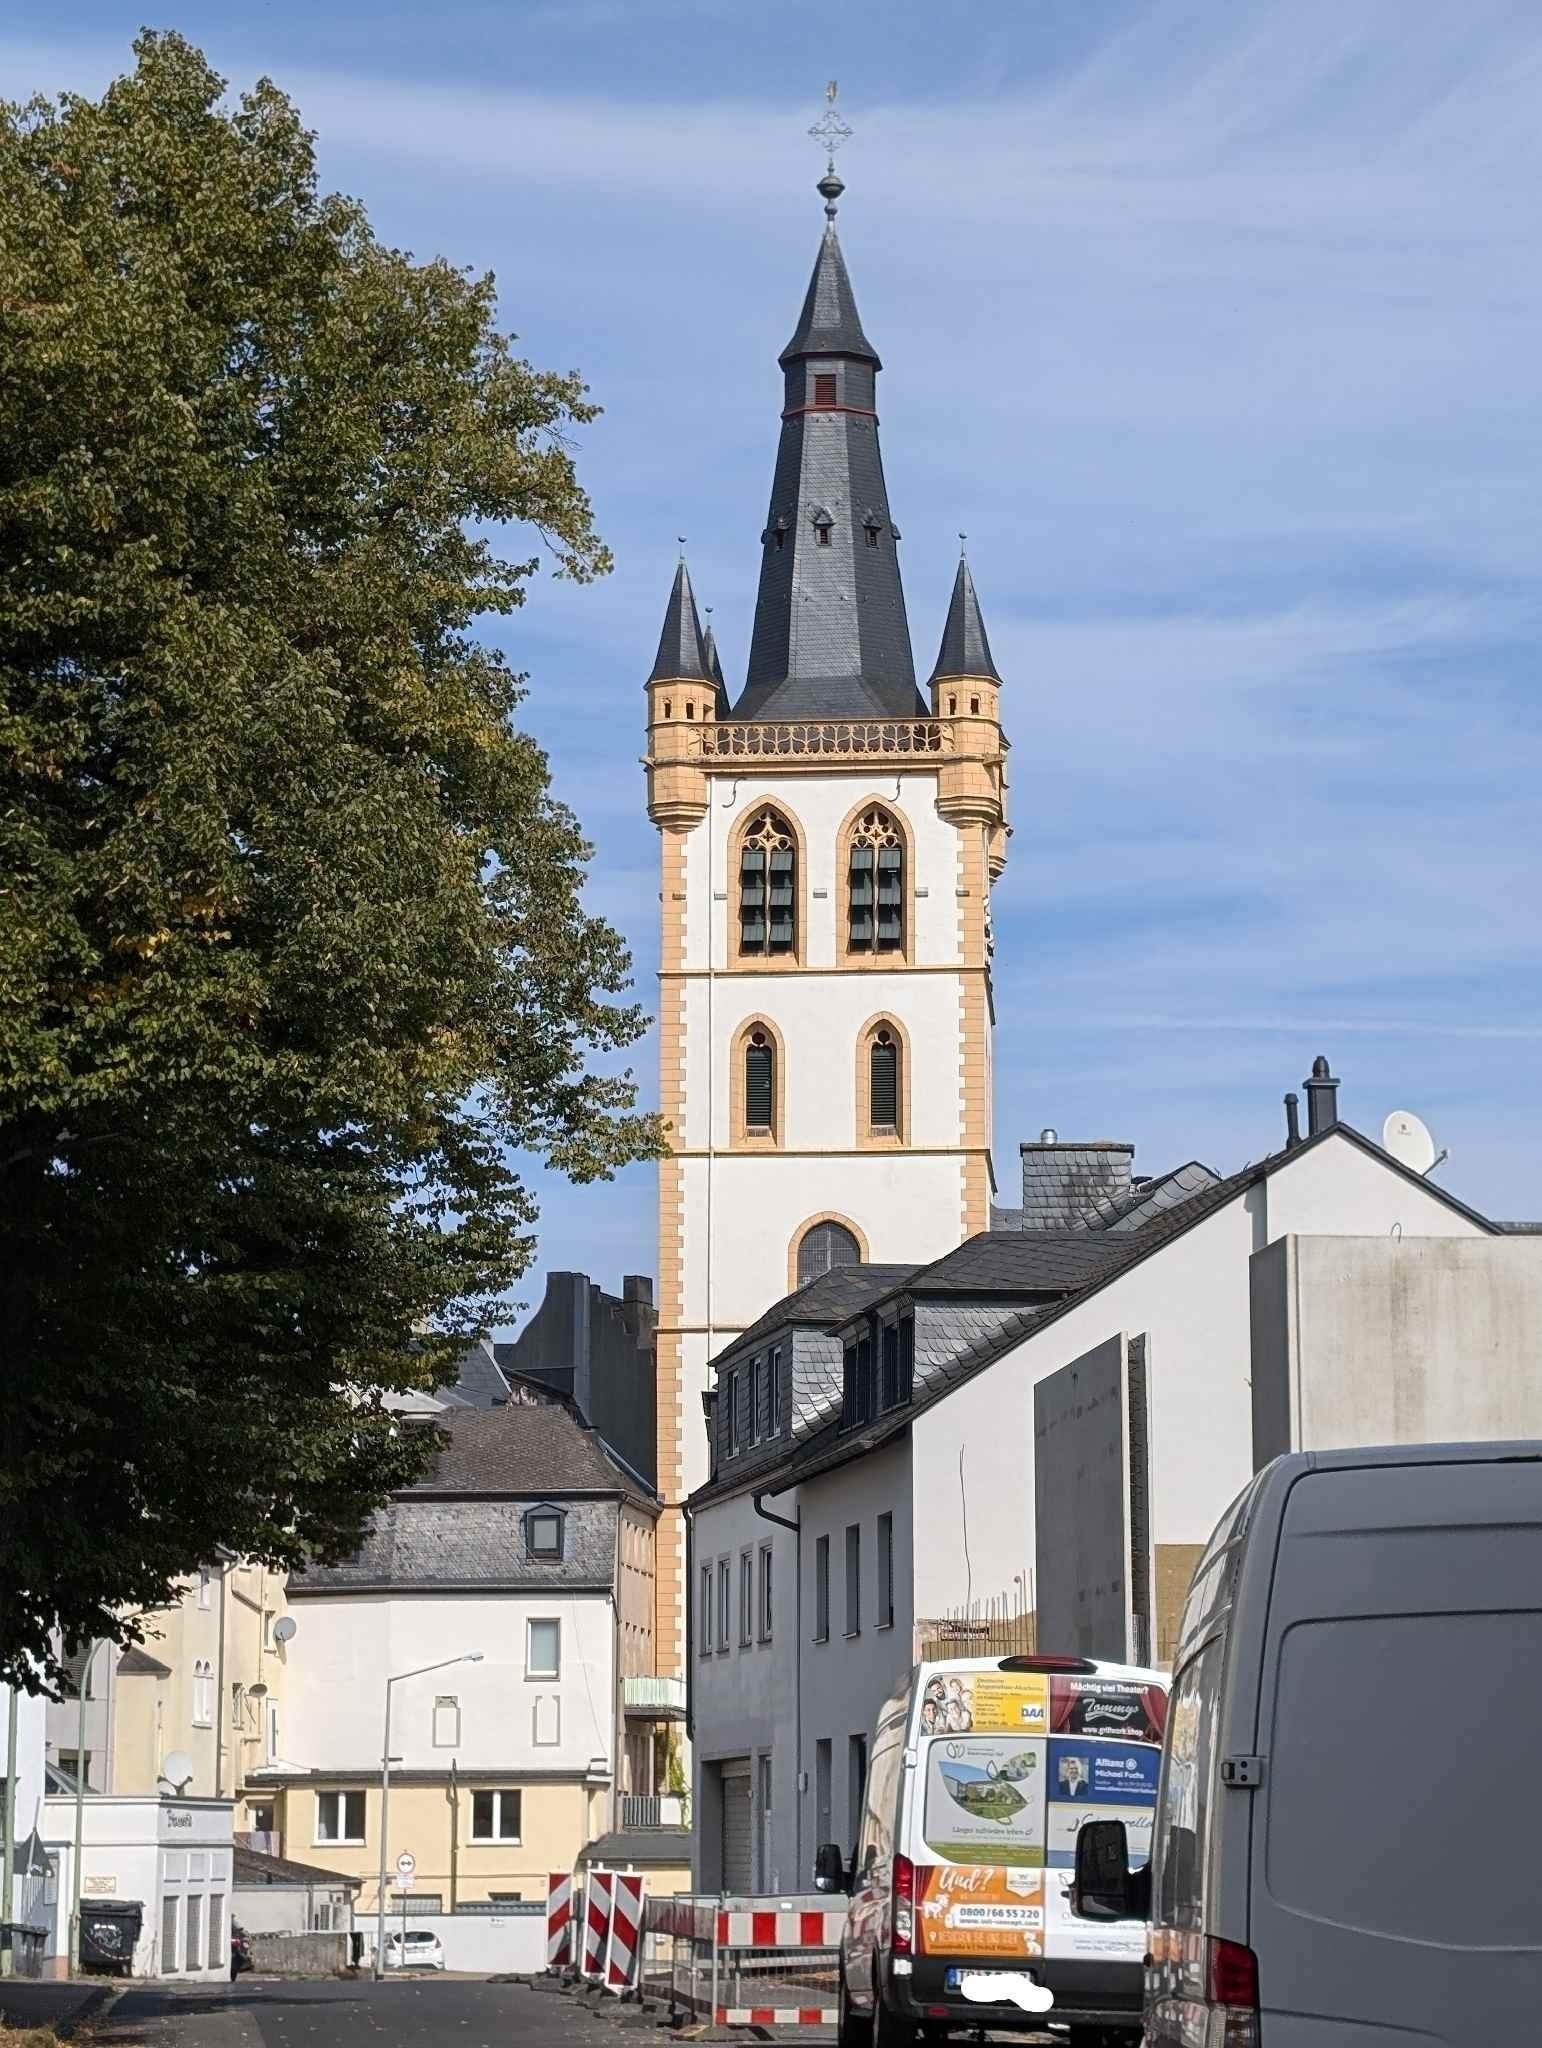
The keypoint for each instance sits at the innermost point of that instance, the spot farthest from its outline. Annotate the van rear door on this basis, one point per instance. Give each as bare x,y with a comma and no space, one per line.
1396,1879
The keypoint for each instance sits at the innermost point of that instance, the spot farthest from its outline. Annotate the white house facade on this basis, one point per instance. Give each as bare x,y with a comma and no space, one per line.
910,1475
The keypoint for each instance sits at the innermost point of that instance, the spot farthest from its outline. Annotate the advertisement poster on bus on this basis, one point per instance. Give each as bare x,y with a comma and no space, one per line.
1102,1773
985,1799
1072,1939
981,1912
985,1703
1107,1706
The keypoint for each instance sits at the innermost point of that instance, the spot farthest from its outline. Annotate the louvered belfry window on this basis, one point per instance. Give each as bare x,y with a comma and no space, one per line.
767,886
883,1058
759,1082
877,884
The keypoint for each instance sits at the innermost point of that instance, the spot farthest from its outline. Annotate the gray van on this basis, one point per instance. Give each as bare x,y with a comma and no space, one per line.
1345,1852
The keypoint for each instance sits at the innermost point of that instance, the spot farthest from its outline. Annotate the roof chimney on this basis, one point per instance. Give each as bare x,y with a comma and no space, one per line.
1292,1120
1066,1182
1322,1098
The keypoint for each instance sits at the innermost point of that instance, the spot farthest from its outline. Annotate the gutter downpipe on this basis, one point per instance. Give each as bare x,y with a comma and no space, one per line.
796,1527
690,1621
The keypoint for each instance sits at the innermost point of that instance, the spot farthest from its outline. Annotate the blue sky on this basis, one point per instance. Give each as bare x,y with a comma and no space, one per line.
1216,327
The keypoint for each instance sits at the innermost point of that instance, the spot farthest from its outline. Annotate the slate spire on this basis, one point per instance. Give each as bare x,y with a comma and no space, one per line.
680,657
830,638
965,651
714,667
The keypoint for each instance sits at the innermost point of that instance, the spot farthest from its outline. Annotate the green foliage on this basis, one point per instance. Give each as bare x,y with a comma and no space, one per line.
291,945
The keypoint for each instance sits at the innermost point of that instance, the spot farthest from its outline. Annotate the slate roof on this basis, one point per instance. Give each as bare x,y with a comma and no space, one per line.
829,324
830,638
679,658
1017,1262
478,1382
254,1867
965,650
640,1845
843,1291
530,1450
138,1663
420,1544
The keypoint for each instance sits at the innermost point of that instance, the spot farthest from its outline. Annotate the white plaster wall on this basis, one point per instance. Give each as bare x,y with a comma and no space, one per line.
1191,1299
31,1734
743,1699
336,1690
847,1679
820,802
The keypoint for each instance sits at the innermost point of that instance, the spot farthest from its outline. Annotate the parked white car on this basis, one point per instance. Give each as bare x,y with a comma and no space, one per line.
418,1949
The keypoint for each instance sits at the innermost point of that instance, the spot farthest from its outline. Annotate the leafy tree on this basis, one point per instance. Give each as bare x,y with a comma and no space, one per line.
292,951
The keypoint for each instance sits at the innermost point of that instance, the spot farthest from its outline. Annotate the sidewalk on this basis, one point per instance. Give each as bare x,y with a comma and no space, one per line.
36,2002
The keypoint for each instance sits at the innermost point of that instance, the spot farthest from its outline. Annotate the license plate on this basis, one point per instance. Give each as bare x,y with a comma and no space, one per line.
1002,1987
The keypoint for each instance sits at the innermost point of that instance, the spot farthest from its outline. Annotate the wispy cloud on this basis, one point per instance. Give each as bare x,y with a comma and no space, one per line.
1216,327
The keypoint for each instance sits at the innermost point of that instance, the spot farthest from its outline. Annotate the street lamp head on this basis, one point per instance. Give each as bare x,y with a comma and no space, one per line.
472,1657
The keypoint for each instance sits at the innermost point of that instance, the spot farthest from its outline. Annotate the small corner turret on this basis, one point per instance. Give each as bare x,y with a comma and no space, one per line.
685,692
966,691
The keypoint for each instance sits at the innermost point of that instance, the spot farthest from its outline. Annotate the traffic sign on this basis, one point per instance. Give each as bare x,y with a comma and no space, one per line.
406,1864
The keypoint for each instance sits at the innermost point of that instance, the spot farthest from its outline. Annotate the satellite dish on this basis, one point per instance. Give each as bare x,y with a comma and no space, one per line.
177,1770
283,1629
1407,1138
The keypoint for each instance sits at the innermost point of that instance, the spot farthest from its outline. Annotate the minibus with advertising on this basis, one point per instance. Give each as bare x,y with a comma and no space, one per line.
981,1773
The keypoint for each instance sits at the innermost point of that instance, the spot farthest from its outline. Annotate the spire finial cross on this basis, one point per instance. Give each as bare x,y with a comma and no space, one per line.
830,131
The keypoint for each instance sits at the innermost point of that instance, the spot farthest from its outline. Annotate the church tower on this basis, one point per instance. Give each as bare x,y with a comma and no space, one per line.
829,840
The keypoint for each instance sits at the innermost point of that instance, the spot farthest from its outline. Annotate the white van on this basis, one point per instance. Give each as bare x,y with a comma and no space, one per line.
1345,1852
981,1774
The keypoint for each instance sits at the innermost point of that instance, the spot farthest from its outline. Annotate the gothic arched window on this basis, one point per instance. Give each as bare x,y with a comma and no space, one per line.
824,1245
876,884
768,878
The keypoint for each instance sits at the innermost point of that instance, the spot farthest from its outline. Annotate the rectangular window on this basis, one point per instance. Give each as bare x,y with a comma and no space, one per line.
774,1421
446,1722
907,1357
885,1571
339,1816
765,1592
495,1816
543,1535
856,1785
824,387
746,1597
757,1399
822,1776
853,1578
822,1590
543,1649
704,1618
219,1947
270,1737
725,1594
883,1069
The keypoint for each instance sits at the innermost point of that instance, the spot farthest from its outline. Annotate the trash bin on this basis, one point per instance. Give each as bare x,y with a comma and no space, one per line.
109,1928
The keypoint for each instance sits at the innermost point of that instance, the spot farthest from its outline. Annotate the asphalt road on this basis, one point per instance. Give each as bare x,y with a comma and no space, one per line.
426,2012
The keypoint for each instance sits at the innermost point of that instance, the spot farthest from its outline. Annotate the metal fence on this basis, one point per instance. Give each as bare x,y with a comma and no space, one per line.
742,1961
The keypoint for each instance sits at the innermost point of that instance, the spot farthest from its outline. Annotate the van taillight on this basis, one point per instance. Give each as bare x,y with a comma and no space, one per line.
903,1924
1232,1973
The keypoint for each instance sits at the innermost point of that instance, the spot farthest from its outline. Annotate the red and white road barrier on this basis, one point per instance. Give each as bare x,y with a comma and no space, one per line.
776,2016
559,1920
626,1917
756,1929
597,1906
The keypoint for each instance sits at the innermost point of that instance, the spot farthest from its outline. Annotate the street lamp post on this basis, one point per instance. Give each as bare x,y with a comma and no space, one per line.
467,1657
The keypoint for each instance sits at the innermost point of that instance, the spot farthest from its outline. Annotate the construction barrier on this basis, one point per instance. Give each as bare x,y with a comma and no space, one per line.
597,1906
626,1915
559,1920
744,1962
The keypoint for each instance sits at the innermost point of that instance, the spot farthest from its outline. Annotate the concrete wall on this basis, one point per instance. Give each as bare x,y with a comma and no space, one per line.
289,1908
297,1955
1085,1600
1370,1340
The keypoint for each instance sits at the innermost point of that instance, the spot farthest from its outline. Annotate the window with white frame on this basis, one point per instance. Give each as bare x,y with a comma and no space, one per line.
725,1593
543,1649
746,1597
339,1816
704,1616
495,1817
447,1722
203,1693
765,1592
885,1571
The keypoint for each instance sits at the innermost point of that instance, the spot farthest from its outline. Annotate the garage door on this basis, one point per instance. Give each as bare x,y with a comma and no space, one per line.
738,1832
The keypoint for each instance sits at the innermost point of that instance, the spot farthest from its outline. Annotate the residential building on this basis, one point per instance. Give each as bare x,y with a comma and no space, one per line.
1048,1422
531,1545
205,1686
275,1895
829,838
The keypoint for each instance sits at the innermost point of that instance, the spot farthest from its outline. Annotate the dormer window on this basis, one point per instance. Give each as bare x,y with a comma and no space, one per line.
823,525
824,387
872,526
544,1535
